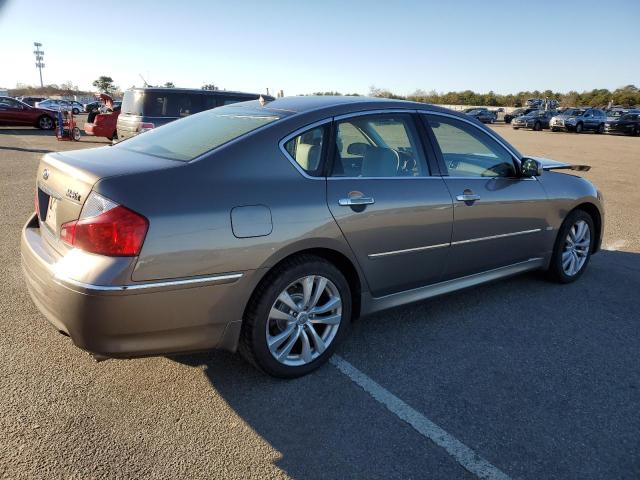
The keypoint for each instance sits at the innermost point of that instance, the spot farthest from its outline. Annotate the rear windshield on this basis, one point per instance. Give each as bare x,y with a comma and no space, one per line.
190,137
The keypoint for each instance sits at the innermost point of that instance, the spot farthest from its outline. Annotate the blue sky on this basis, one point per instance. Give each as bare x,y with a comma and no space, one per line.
302,47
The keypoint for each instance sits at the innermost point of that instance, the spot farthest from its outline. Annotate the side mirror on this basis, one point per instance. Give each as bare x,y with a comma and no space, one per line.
530,167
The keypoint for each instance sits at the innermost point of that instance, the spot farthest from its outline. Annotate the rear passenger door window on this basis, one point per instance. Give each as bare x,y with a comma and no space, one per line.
306,150
378,146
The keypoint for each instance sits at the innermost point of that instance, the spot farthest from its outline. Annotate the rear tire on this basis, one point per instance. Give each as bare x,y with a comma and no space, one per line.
600,129
75,133
271,324
554,130
75,111
537,126
573,247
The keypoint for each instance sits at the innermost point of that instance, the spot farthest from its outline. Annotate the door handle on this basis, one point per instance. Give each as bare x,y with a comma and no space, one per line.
468,197
355,201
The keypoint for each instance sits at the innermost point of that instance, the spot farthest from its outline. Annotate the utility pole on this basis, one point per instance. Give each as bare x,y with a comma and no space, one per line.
39,57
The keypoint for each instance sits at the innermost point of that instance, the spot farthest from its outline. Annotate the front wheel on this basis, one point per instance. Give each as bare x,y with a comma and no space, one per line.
75,133
75,111
45,122
600,128
579,128
537,127
296,316
554,129
573,247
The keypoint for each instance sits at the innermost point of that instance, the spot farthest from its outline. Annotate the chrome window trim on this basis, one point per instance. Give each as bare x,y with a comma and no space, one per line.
489,133
362,113
162,284
451,244
431,177
294,134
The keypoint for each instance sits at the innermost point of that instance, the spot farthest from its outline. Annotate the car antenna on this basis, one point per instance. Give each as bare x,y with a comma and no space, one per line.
145,82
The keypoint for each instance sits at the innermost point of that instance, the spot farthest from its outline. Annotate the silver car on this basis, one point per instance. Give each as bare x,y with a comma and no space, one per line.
268,227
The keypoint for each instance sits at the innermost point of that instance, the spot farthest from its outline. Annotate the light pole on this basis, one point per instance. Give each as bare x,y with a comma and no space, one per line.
39,57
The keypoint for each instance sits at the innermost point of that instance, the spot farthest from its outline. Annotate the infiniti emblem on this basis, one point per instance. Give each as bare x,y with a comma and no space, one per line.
45,173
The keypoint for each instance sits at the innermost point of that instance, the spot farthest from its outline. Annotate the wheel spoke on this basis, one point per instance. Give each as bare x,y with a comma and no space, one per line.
285,298
330,320
306,347
572,233
280,315
317,341
307,288
289,345
566,259
276,341
334,302
320,286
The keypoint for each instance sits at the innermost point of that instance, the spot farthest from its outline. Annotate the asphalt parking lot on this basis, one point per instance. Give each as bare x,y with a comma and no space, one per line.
538,380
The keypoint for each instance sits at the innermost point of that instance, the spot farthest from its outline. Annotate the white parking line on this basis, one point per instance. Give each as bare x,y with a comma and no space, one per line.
466,457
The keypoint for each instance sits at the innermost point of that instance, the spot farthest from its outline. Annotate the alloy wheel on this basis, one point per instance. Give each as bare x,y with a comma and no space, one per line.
304,320
46,123
576,249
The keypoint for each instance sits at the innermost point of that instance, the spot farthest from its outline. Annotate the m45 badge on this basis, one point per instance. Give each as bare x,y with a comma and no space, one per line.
73,195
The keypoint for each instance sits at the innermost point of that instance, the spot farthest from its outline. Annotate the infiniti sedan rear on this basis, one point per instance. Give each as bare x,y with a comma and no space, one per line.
266,227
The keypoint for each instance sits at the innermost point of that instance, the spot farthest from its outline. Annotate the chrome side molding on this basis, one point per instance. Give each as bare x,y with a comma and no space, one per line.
145,287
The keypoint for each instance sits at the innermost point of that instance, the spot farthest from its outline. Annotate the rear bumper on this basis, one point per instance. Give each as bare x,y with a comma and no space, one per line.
132,319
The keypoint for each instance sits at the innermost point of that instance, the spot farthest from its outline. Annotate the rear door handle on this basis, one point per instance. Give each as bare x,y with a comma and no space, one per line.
468,197
355,201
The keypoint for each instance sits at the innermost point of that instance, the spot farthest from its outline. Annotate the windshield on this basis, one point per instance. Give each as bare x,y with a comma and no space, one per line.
614,113
192,136
573,112
628,116
474,111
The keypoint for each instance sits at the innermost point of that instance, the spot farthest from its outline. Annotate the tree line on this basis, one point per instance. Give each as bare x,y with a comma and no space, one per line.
628,95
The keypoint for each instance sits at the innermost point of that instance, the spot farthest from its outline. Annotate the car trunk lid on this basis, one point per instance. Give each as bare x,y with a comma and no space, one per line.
64,181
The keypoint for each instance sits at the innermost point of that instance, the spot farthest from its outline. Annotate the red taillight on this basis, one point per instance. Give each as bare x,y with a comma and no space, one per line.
118,232
144,126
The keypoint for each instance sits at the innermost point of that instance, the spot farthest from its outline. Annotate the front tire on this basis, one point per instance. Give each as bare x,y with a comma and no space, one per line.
296,317
45,123
579,128
600,128
537,126
75,111
573,247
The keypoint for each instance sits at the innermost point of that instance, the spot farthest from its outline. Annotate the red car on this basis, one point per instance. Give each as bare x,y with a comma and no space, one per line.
103,124
14,113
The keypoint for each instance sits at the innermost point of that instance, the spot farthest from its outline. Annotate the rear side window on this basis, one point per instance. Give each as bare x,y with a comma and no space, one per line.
172,104
169,104
306,150
190,137
378,146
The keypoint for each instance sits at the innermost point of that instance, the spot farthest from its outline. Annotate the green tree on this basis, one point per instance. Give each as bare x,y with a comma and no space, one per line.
169,85
105,84
209,86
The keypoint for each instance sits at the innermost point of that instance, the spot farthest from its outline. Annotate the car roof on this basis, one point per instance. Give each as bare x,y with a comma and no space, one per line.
310,103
